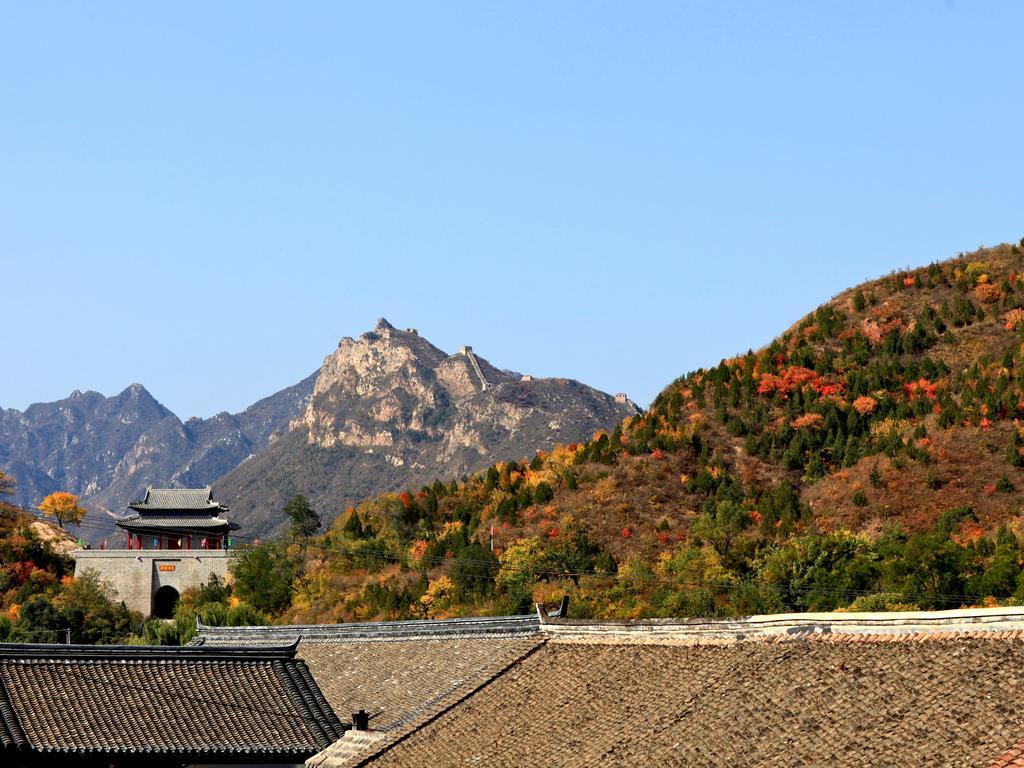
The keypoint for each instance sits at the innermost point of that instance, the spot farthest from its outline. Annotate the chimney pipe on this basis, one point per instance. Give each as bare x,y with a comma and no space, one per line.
361,720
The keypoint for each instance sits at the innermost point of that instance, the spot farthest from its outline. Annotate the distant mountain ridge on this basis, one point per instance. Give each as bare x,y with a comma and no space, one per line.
109,449
390,409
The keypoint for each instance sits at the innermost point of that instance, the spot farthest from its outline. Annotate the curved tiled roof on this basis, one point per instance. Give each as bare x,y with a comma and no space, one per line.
191,704
173,522
177,498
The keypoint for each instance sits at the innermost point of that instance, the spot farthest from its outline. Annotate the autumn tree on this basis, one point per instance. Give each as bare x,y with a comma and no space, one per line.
542,493
439,596
304,520
63,506
354,526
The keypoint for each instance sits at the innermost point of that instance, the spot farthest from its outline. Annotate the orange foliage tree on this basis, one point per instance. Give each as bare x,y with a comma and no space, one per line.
865,405
63,506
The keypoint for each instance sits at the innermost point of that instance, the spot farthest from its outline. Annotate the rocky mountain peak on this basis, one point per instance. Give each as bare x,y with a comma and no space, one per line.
389,407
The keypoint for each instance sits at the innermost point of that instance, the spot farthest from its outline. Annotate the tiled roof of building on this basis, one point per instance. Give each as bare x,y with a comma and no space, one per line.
941,702
939,689
402,673
189,704
173,522
197,499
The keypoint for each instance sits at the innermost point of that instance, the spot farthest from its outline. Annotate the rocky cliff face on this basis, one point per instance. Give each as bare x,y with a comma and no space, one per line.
390,409
108,449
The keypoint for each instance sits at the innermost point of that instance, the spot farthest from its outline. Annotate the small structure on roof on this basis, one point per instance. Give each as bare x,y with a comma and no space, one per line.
175,539
124,706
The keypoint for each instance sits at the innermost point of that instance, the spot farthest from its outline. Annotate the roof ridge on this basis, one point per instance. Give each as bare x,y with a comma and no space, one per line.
198,488
993,623
300,687
131,652
479,626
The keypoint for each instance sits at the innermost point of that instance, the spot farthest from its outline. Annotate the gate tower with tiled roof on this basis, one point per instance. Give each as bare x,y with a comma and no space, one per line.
174,539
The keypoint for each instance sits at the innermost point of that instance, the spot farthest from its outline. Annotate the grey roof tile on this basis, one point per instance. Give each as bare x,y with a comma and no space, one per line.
192,704
177,498
403,672
946,701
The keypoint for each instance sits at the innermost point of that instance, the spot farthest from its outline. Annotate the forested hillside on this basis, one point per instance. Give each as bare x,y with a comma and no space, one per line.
870,456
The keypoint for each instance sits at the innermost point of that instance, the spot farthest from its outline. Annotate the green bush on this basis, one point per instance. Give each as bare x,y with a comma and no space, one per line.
264,576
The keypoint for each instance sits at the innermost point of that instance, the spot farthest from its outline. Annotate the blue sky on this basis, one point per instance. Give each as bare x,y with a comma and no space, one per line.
204,197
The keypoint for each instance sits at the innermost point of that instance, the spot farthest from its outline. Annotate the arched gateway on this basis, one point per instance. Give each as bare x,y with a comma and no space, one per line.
164,602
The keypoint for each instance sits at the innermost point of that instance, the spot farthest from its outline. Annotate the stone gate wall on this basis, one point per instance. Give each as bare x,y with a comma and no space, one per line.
138,574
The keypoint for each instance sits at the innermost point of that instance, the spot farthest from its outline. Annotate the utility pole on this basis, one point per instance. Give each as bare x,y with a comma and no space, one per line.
492,537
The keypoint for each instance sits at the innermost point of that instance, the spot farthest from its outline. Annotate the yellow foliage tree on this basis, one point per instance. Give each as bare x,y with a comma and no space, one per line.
520,565
63,506
439,596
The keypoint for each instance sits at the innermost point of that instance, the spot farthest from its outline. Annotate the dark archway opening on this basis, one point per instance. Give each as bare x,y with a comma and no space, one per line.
164,601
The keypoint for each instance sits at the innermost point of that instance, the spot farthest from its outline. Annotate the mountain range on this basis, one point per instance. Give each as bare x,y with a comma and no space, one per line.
385,410
109,449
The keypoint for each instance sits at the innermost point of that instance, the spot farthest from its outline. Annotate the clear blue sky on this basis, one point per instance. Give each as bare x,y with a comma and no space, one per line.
204,197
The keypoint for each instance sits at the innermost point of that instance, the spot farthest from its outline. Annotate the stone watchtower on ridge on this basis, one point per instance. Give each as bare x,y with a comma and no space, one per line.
175,539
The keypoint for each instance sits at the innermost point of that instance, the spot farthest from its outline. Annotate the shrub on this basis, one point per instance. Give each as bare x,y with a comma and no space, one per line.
542,493
264,576
882,601
475,570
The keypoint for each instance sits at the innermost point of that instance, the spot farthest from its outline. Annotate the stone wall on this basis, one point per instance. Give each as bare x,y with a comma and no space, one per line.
138,574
